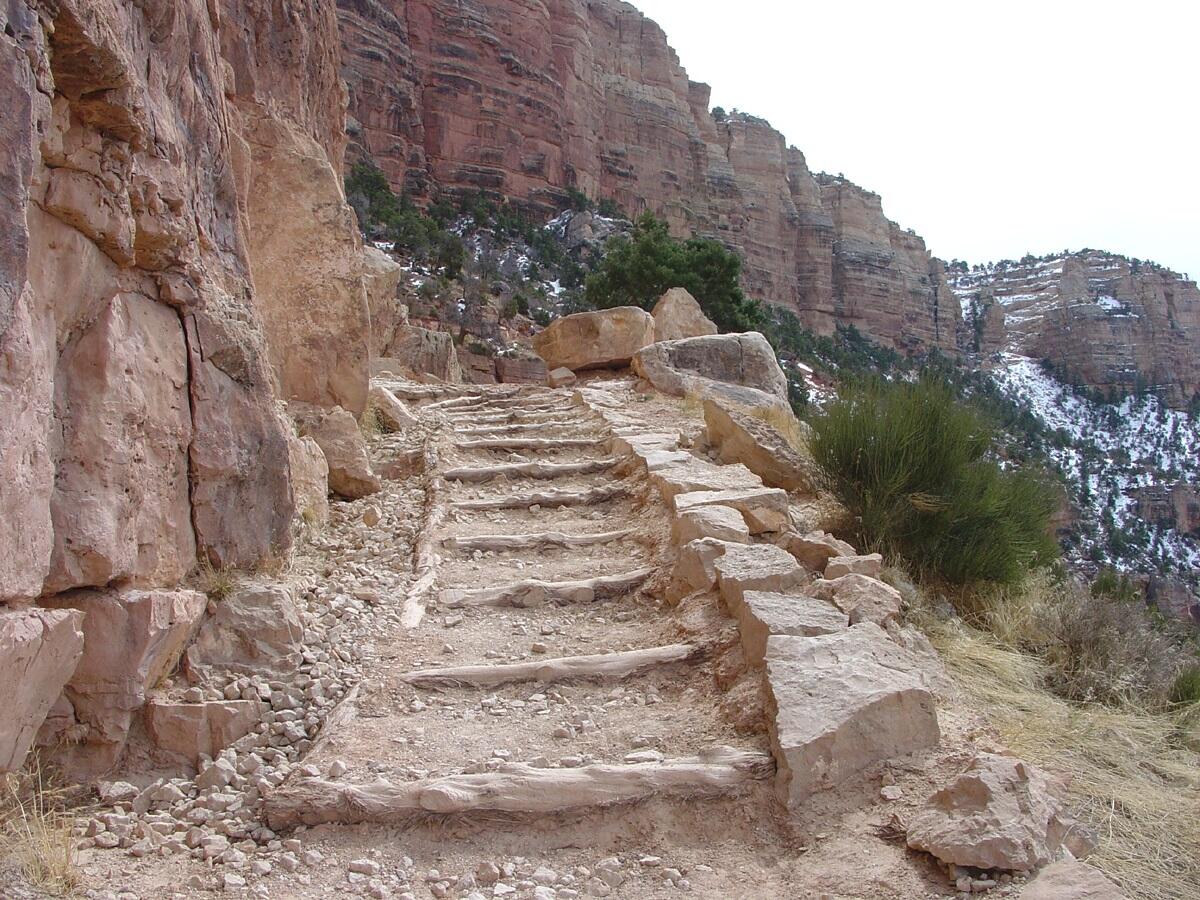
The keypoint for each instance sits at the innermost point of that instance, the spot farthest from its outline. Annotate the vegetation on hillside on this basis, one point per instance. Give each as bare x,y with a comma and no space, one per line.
912,465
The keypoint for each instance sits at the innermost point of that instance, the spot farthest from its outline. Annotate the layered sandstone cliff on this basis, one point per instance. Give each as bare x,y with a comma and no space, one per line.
164,165
524,98
1113,324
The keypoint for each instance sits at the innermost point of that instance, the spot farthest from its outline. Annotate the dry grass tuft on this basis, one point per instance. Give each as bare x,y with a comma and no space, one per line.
35,832
1131,777
216,583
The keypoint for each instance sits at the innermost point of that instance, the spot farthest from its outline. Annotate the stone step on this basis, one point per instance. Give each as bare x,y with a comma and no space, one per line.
531,443
503,543
516,789
603,666
551,498
533,592
542,471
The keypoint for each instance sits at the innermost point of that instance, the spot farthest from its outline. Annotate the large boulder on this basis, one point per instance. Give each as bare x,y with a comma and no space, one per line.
740,437
381,277
687,366
132,639
337,434
1070,879
840,703
1002,813
192,730
392,413
677,315
604,339
39,649
310,479
420,351
253,630
520,370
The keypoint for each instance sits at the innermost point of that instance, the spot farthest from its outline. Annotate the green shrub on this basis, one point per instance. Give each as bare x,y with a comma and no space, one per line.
911,465
636,271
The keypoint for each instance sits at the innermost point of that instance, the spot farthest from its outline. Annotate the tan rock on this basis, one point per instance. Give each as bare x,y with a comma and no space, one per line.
310,479
756,567
337,434
753,442
123,514
678,315
255,629
695,474
815,549
724,523
561,377
763,614
695,568
603,339
381,277
392,412
862,598
132,639
420,351
39,649
687,366
1070,879
870,565
520,370
840,703
192,730
764,509
1001,813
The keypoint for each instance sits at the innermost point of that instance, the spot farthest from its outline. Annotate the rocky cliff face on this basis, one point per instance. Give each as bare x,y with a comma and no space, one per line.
524,98
163,166
1113,324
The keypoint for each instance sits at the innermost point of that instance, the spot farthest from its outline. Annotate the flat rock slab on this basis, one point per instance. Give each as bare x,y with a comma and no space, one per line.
724,523
871,565
765,613
695,474
756,567
744,438
764,509
840,703
1071,880
861,597
816,548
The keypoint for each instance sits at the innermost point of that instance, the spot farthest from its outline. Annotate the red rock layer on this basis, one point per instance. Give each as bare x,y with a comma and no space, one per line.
524,98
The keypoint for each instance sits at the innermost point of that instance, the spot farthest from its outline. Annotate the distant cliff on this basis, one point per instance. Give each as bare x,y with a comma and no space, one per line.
526,98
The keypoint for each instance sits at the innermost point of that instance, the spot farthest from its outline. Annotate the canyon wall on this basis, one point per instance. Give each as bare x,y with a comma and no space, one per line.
525,98
164,166
1113,324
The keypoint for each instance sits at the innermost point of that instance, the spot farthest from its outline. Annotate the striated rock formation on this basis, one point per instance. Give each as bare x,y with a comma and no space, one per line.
1110,323
525,99
177,256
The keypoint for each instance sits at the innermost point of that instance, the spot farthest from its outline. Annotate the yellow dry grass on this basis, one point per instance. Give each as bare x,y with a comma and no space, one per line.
1131,777
35,833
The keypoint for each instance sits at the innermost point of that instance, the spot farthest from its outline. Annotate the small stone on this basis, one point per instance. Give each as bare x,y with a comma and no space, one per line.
371,516
364,867
963,884
486,873
544,875
232,882
539,647
501,889
338,768
312,857
891,792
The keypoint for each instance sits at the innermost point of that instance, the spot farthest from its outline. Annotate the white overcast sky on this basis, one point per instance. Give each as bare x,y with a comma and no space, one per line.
991,129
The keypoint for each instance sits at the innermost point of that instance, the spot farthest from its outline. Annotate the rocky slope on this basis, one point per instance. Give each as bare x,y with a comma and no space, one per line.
1111,324
165,165
526,99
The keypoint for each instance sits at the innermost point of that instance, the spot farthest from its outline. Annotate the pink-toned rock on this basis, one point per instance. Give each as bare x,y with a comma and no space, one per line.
755,443
721,522
1001,813
254,629
1070,879
691,474
420,351
678,315
756,567
192,730
862,598
561,377
870,565
337,434
815,549
39,649
310,479
689,365
764,509
124,513
762,614
392,412
603,339
381,277
520,370
132,639
840,703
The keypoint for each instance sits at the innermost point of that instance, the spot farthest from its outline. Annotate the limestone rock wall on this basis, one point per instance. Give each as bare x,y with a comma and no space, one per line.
174,238
1105,321
525,98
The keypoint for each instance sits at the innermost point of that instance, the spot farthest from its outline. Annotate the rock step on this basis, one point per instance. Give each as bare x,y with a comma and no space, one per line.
550,498
521,416
517,789
535,470
502,543
532,592
514,430
593,666
531,443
